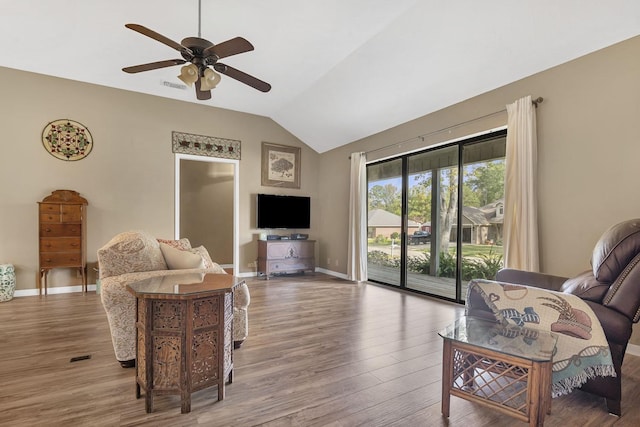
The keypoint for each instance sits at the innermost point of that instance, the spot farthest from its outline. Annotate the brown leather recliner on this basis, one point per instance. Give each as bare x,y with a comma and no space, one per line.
611,288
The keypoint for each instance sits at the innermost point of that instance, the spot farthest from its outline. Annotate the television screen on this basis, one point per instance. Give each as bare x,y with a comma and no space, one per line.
283,211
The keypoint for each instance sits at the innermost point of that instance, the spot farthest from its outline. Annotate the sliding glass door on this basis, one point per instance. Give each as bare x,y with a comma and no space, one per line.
435,217
483,209
432,214
384,225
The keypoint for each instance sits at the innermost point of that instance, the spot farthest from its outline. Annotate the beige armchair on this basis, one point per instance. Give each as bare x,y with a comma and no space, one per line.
136,255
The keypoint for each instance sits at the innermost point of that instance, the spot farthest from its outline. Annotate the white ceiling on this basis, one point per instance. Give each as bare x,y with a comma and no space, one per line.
341,70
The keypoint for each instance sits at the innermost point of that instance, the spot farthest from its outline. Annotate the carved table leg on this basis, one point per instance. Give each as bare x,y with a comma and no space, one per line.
221,391
148,402
186,402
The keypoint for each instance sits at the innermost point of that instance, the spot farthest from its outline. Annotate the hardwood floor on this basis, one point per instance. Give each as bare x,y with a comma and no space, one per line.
321,352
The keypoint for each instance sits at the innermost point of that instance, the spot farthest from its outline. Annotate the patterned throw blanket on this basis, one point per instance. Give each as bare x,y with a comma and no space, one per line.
582,351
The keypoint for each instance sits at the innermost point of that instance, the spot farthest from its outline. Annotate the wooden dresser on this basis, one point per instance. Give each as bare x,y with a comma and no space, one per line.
62,235
286,256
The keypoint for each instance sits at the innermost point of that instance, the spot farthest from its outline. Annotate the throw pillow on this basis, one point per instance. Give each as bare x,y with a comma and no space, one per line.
202,251
180,260
208,262
183,244
130,252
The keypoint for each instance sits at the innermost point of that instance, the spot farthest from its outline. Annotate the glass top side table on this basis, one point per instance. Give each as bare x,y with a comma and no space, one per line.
507,368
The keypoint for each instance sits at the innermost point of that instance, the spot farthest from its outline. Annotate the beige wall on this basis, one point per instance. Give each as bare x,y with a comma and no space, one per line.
588,141
128,178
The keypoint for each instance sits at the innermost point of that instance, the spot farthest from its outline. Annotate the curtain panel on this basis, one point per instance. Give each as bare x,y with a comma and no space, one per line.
521,204
357,246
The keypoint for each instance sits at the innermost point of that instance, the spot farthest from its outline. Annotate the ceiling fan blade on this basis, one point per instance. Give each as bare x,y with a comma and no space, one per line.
242,77
157,36
232,46
202,95
153,65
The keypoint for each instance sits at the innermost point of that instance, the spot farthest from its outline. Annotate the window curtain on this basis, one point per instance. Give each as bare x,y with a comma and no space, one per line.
357,248
521,204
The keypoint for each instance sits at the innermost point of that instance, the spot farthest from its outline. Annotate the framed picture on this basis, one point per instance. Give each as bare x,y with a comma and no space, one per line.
280,165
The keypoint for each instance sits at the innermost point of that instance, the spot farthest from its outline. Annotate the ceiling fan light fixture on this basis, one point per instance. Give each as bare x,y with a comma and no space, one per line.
210,79
189,74
197,54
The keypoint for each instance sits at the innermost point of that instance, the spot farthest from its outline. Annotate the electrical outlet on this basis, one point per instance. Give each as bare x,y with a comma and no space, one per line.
337,263
328,262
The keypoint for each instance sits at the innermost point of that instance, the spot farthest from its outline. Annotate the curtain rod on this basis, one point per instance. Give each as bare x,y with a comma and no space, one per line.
535,102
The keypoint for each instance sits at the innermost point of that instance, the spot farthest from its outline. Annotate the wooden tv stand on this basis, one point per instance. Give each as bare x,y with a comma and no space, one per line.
286,256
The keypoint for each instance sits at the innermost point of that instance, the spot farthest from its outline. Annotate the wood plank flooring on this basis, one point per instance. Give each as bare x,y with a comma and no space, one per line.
321,352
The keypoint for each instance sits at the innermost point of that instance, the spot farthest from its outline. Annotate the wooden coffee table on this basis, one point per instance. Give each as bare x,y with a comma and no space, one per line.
184,335
505,368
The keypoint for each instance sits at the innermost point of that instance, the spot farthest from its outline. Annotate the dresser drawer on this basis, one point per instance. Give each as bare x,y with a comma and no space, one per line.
62,259
60,244
64,230
71,213
60,213
290,265
290,249
49,208
49,218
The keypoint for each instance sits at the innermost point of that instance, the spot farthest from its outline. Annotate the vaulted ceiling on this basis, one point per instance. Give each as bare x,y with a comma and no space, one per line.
341,70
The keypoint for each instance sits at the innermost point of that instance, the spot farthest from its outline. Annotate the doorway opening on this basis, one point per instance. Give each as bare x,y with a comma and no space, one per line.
206,206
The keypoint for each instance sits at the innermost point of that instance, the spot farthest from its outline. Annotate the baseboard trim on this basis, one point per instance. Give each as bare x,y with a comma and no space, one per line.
52,291
248,274
332,273
633,349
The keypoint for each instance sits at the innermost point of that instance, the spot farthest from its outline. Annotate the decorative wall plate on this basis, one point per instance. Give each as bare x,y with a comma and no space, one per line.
67,140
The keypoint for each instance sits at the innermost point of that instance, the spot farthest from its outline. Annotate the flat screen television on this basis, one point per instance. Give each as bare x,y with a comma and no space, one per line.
274,211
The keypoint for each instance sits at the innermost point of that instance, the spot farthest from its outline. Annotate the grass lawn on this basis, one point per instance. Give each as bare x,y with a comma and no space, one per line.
475,250
468,250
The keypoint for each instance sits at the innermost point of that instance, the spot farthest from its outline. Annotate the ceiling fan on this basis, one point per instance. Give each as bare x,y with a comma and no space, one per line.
200,54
